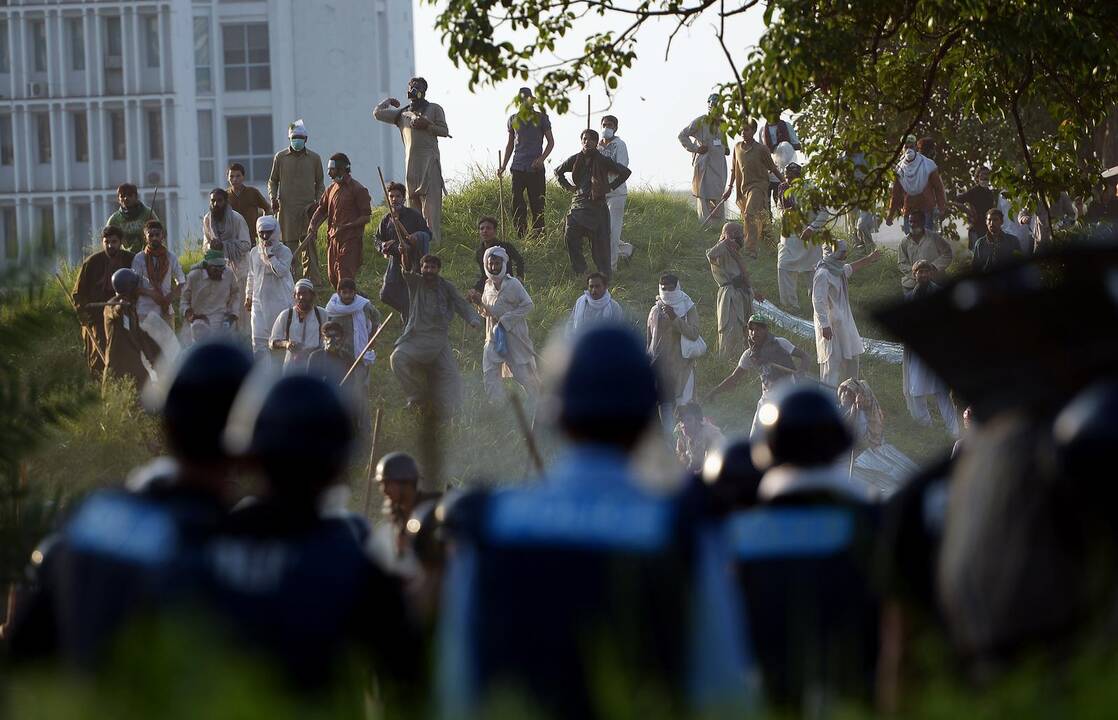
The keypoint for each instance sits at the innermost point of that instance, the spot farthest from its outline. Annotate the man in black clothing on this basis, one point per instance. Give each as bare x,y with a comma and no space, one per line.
589,214
995,247
979,199
394,292
487,231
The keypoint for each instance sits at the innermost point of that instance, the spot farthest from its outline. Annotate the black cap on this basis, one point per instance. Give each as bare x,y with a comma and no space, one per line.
125,281
397,467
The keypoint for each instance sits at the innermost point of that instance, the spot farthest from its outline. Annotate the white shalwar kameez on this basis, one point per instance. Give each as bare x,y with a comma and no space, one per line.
919,385
268,284
793,257
507,307
830,299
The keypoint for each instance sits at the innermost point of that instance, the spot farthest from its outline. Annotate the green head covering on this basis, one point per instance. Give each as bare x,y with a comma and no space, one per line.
758,319
215,258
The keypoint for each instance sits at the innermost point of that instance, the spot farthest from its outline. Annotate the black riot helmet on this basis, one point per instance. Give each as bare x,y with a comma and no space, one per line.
297,429
1086,430
730,474
196,399
125,281
398,467
801,426
606,392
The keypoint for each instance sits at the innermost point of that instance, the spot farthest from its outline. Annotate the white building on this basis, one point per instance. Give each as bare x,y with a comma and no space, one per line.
166,93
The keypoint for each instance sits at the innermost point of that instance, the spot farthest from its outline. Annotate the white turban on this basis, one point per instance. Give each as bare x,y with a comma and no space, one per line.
783,154
304,284
266,223
297,128
496,251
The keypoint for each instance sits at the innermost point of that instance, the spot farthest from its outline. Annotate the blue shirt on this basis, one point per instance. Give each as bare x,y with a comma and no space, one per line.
529,141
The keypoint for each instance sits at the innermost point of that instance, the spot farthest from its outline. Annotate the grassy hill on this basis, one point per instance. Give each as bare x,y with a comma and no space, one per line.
483,443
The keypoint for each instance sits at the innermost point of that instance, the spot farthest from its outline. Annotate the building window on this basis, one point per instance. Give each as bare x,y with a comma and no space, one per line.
155,133
151,32
203,80
6,141
81,137
114,46
245,48
38,45
42,132
116,134
206,167
11,232
46,230
5,59
82,225
249,142
114,60
76,30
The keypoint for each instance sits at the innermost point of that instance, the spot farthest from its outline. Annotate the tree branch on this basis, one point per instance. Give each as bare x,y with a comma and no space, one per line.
1015,106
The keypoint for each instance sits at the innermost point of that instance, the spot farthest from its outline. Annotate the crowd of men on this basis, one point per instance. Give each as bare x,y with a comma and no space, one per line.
761,566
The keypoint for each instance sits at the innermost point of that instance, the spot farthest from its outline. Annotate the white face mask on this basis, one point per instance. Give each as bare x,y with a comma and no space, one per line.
910,154
607,133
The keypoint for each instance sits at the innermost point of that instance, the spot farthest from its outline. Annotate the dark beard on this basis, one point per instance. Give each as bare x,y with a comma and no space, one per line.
219,215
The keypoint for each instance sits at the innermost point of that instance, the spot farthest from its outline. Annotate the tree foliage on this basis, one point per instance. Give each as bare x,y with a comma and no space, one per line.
1020,84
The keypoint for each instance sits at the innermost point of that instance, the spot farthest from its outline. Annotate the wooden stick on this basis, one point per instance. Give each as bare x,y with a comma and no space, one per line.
526,431
372,460
70,300
401,231
501,195
708,217
361,355
587,111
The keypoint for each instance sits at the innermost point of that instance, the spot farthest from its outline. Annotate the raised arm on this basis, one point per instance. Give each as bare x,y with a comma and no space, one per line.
867,261
388,111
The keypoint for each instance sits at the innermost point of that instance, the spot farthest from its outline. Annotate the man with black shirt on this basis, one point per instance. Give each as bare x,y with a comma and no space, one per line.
979,199
487,231
394,292
526,150
589,214
995,247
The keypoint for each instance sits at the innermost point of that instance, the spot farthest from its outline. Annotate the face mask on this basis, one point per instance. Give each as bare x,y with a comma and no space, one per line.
298,144
910,154
415,94
608,133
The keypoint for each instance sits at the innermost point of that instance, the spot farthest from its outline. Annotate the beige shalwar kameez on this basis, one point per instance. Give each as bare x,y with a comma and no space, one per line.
424,172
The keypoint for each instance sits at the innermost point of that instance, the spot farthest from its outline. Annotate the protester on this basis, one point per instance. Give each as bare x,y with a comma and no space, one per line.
94,286
161,275
422,360
127,344
917,187
919,383
358,319
525,148
750,180
977,200
695,436
614,148
773,357
295,186
799,250
289,577
771,135
881,466
919,245
226,231
595,305
330,362
210,297
589,214
298,329
508,352
416,242
421,124
706,141
735,290
996,247
268,285
673,322
487,234
249,202
837,342
95,578
346,208
131,217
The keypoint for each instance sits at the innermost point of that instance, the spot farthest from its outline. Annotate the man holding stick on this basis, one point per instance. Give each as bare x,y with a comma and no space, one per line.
402,231
94,285
346,207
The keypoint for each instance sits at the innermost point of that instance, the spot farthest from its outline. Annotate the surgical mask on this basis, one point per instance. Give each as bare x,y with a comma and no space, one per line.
298,144
608,133
910,154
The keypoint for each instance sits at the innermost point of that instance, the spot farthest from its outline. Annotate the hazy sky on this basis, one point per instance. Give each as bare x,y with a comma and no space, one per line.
656,99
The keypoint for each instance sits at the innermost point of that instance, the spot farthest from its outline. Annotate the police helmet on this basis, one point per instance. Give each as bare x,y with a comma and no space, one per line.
801,426
197,396
729,471
398,467
125,281
1086,430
